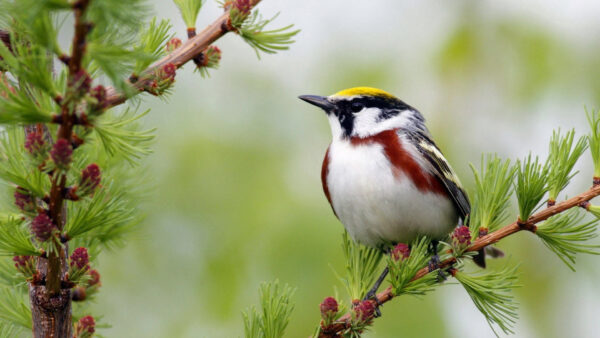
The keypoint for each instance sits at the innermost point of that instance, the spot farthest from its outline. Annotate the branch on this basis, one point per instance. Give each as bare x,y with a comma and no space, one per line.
81,30
180,56
338,327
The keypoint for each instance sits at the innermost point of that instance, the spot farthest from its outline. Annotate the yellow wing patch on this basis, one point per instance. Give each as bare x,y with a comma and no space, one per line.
437,156
364,91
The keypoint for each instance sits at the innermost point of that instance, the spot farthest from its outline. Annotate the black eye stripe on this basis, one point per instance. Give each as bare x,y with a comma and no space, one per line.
387,113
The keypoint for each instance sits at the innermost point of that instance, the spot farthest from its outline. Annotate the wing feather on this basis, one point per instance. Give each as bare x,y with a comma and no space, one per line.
441,168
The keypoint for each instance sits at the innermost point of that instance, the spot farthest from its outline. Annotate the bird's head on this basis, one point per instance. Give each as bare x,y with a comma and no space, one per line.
365,111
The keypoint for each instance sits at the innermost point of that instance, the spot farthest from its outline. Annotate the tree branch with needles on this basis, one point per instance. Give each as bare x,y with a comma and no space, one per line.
560,226
54,175
342,324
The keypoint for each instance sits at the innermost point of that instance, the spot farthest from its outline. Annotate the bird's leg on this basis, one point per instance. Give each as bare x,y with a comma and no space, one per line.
434,263
372,294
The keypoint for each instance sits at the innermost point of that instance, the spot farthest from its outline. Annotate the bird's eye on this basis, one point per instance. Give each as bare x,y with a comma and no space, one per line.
356,107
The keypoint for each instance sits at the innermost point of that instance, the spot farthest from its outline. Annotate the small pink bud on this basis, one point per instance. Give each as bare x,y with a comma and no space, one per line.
169,71
61,154
90,179
173,44
243,6
35,143
25,265
80,82
80,259
401,252
212,57
329,308
461,237
99,93
85,327
364,311
21,261
94,278
24,201
42,227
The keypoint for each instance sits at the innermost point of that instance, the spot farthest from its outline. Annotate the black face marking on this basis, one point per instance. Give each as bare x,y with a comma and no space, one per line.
387,113
346,109
356,106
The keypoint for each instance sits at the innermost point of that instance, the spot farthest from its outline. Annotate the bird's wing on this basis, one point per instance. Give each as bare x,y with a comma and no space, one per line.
441,169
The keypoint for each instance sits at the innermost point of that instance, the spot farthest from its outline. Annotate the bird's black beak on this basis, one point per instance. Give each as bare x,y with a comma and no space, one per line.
319,101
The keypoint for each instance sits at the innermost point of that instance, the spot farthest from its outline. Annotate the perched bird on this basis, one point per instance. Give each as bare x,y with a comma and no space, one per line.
383,175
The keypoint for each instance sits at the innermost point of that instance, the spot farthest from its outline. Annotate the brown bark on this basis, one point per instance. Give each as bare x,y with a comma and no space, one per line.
51,314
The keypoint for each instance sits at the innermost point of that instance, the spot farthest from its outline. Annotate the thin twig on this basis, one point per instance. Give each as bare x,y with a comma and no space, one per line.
180,56
343,323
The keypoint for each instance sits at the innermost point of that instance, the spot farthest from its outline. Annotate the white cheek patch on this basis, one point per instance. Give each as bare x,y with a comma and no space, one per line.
367,123
365,120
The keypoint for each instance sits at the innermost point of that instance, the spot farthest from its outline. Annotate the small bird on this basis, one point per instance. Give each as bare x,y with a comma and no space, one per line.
383,175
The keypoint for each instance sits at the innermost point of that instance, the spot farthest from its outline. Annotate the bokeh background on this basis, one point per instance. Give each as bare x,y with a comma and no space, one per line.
236,195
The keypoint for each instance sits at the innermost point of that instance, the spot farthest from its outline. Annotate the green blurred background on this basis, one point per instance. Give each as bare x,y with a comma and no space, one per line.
236,194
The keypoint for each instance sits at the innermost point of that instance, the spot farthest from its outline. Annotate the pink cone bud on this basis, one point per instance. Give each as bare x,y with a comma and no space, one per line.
400,252
212,57
243,6
169,71
90,179
461,237
329,308
99,93
42,227
24,201
94,278
21,261
85,327
35,143
364,311
80,259
173,44
80,82
25,265
61,154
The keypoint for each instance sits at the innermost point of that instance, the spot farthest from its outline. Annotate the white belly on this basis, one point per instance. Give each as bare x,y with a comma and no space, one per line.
378,208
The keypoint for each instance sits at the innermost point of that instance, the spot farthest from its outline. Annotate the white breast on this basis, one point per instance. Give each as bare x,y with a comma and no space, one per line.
377,207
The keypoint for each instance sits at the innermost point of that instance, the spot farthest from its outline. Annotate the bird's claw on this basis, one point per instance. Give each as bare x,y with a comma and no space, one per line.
434,264
371,295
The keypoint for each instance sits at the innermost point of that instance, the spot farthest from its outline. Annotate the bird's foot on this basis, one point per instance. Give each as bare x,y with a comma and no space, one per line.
372,295
434,264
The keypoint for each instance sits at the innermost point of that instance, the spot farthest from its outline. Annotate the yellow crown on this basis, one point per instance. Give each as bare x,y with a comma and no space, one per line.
364,91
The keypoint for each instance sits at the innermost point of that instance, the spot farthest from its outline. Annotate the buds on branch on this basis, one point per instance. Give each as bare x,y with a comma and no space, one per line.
561,227
85,327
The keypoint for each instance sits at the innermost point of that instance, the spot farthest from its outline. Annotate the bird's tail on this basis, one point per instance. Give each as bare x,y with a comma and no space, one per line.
479,259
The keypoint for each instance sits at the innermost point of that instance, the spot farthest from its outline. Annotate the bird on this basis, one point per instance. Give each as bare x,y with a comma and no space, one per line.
383,175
